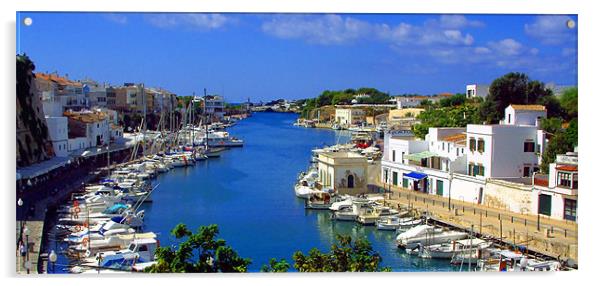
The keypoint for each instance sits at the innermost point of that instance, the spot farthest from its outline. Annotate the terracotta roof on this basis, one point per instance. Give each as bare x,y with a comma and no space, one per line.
90,117
58,79
569,168
530,107
455,138
446,94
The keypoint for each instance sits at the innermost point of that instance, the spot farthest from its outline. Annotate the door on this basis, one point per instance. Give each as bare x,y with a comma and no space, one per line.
405,183
395,178
545,204
439,187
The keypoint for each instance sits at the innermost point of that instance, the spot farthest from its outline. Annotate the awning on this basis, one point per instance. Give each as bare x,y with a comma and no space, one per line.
415,176
420,156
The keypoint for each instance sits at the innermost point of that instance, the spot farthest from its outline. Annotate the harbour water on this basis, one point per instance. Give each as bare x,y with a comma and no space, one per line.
248,192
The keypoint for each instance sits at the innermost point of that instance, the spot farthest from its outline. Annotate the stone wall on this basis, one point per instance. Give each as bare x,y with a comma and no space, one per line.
509,196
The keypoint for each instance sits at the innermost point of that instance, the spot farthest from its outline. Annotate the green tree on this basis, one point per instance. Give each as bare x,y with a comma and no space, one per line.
276,266
572,133
345,255
458,116
455,100
559,144
569,102
551,125
200,252
512,88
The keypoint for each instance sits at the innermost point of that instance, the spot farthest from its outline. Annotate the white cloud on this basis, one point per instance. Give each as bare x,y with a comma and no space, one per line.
506,47
551,29
117,18
325,30
458,21
196,21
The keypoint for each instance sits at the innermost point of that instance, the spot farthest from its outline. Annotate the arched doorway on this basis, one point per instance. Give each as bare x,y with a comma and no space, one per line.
350,182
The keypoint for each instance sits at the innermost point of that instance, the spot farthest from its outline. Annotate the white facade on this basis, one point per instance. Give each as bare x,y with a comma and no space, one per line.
349,116
502,151
215,106
58,131
477,90
558,198
520,115
407,101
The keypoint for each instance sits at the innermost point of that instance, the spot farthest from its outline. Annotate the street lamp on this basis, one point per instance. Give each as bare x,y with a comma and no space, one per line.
27,262
52,257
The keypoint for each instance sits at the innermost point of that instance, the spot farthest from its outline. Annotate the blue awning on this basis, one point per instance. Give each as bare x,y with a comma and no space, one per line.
415,176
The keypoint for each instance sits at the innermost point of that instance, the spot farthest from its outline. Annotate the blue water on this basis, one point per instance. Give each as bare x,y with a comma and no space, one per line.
248,192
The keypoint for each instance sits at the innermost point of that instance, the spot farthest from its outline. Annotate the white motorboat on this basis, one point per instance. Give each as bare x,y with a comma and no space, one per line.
394,222
426,235
463,249
138,251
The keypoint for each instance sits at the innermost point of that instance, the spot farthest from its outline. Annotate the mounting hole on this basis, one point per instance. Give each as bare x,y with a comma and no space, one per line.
27,21
570,24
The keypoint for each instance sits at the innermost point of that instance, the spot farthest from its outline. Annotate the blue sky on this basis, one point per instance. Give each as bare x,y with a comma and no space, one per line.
269,56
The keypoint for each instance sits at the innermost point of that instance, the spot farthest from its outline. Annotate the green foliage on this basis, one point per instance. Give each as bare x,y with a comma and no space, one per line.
200,252
552,106
563,141
426,103
342,98
276,266
513,88
569,102
458,116
345,255
455,100
551,125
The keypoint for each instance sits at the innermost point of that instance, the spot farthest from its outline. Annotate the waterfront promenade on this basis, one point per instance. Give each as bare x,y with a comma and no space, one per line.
546,236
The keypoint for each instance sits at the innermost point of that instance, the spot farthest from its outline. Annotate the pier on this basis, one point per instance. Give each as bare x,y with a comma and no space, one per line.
540,235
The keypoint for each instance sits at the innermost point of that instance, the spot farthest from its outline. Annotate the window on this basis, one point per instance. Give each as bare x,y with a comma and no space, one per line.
395,178
472,144
529,147
393,156
564,179
545,204
481,146
474,169
509,117
570,209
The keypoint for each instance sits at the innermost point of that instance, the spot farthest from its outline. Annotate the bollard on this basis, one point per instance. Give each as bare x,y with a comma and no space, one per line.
485,213
512,219
462,209
552,228
474,211
525,222
565,233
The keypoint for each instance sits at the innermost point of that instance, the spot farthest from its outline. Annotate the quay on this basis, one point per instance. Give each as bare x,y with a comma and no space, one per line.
553,238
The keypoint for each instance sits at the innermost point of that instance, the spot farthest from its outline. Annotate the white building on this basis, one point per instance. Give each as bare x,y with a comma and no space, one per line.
458,162
408,101
58,131
88,129
349,116
477,90
425,165
529,115
215,106
556,195
95,93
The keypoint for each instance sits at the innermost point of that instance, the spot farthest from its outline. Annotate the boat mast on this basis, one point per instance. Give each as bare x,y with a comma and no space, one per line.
206,119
